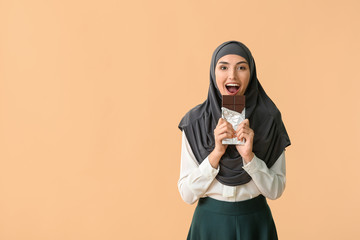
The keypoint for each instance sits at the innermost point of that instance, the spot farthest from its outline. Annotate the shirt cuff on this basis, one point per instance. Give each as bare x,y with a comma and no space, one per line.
253,166
207,170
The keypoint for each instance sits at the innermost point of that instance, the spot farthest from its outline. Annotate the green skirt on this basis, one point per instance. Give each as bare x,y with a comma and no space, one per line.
245,220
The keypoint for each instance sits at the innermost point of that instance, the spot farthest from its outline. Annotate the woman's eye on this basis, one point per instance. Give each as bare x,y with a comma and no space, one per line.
223,67
242,68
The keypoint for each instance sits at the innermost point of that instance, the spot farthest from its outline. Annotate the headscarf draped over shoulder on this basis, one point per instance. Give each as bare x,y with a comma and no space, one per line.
270,136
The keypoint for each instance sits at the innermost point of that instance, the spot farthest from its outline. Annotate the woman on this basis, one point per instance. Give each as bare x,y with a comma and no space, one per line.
231,182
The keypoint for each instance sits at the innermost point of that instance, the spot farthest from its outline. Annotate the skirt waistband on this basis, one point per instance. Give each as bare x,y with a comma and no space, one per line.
233,208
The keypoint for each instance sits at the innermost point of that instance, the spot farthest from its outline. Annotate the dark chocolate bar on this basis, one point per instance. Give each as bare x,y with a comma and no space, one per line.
235,103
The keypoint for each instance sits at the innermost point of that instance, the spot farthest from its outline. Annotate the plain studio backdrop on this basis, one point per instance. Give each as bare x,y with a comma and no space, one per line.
91,94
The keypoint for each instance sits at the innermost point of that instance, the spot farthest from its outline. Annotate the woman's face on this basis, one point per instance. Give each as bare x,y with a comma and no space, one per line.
232,74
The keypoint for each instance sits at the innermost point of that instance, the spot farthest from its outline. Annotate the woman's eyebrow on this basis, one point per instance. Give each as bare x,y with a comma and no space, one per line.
236,64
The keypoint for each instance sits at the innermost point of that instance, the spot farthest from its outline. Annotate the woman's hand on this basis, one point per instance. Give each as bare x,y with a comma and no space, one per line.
244,132
223,130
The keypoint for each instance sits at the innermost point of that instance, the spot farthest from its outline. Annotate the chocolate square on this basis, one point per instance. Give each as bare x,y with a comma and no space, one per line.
235,103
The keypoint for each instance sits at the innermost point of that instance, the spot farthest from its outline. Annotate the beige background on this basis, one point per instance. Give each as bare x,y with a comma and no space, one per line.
92,93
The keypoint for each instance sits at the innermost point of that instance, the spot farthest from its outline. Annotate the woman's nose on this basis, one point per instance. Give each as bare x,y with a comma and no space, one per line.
232,74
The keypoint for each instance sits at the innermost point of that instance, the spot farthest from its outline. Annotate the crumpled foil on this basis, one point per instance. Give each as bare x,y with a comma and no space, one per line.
235,119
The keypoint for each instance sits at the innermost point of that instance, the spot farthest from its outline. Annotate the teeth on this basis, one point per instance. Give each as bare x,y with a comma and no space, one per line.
232,85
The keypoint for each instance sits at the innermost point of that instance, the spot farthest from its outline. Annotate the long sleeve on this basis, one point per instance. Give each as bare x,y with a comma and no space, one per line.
194,179
270,182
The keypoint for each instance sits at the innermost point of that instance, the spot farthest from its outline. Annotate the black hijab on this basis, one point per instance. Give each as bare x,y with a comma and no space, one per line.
270,136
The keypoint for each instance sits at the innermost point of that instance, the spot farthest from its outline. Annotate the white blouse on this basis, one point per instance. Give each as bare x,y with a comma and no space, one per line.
198,181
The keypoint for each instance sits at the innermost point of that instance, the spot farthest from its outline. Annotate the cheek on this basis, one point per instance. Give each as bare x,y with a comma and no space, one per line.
219,81
245,78
220,87
246,83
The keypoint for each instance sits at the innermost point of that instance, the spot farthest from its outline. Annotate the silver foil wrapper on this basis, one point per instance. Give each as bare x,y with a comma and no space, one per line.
235,119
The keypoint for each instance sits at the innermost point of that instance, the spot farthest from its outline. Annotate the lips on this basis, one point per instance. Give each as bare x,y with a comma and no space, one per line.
232,88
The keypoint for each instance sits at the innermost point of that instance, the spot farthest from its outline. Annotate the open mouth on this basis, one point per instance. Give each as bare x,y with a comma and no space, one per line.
232,88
